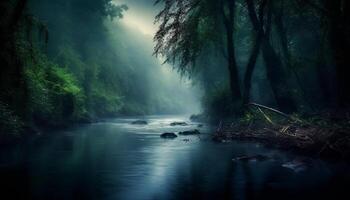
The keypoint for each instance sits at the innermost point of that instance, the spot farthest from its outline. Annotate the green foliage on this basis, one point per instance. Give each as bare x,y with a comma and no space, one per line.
55,98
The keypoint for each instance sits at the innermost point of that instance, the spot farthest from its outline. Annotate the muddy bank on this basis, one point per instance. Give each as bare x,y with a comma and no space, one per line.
326,142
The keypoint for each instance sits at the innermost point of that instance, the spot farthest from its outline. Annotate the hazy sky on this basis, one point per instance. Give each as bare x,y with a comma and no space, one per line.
140,15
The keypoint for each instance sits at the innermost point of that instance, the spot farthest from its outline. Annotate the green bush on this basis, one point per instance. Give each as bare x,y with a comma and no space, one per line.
55,98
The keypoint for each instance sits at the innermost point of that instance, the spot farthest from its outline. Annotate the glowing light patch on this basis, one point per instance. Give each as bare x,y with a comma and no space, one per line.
134,21
137,18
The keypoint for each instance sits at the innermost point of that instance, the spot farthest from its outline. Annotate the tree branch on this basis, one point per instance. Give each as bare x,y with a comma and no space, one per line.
270,109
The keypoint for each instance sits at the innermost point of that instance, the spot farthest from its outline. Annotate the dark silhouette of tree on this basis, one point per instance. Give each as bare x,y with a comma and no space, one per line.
186,26
335,14
259,34
273,63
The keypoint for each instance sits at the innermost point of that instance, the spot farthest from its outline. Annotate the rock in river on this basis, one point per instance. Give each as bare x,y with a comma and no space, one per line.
297,165
253,158
192,132
139,122
168,135
178,124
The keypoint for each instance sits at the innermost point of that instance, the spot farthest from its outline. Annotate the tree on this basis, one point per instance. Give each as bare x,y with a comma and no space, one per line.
336,15
339,37
186,26
282,33
259,29
273,63
12,83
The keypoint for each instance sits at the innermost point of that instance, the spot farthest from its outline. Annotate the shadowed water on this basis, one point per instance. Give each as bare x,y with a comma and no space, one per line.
118,160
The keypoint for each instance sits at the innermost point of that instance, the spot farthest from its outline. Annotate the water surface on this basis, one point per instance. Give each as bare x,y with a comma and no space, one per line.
117,160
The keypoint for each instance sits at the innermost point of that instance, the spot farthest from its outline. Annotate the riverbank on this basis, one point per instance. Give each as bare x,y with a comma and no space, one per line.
18,130
324,137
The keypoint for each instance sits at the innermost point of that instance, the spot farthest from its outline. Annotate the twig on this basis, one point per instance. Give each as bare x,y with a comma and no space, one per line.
275,111
270,109
266,117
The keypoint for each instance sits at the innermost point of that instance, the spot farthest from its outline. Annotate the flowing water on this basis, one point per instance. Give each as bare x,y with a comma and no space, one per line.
117,160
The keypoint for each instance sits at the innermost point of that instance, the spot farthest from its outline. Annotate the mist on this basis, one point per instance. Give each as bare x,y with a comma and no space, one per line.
139,83
138,21
174,99
177,94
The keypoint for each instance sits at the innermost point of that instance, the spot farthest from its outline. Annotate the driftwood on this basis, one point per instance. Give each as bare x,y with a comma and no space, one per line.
259,106
266,117
270,109
304,137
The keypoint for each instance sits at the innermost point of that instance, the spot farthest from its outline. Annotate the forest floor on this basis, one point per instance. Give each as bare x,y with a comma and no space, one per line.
322,136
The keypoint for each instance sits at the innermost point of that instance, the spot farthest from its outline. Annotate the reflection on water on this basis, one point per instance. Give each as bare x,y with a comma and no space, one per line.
117,160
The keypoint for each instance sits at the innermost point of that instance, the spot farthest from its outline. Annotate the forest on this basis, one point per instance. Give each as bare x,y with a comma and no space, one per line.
246,72
66,62
288,58
289,54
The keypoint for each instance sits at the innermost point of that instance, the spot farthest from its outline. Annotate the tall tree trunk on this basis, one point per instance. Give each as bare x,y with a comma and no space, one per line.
256,48
275,70
231,58
250,68
232,66
321,68
340,46
322,78
277,78
274,66
282,33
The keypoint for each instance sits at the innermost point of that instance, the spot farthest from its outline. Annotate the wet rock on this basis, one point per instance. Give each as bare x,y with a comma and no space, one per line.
168,135
178,124
253,158
192,132
296,165
139,122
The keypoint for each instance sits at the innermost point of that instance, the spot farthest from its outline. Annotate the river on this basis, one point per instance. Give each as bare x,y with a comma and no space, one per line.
117,160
